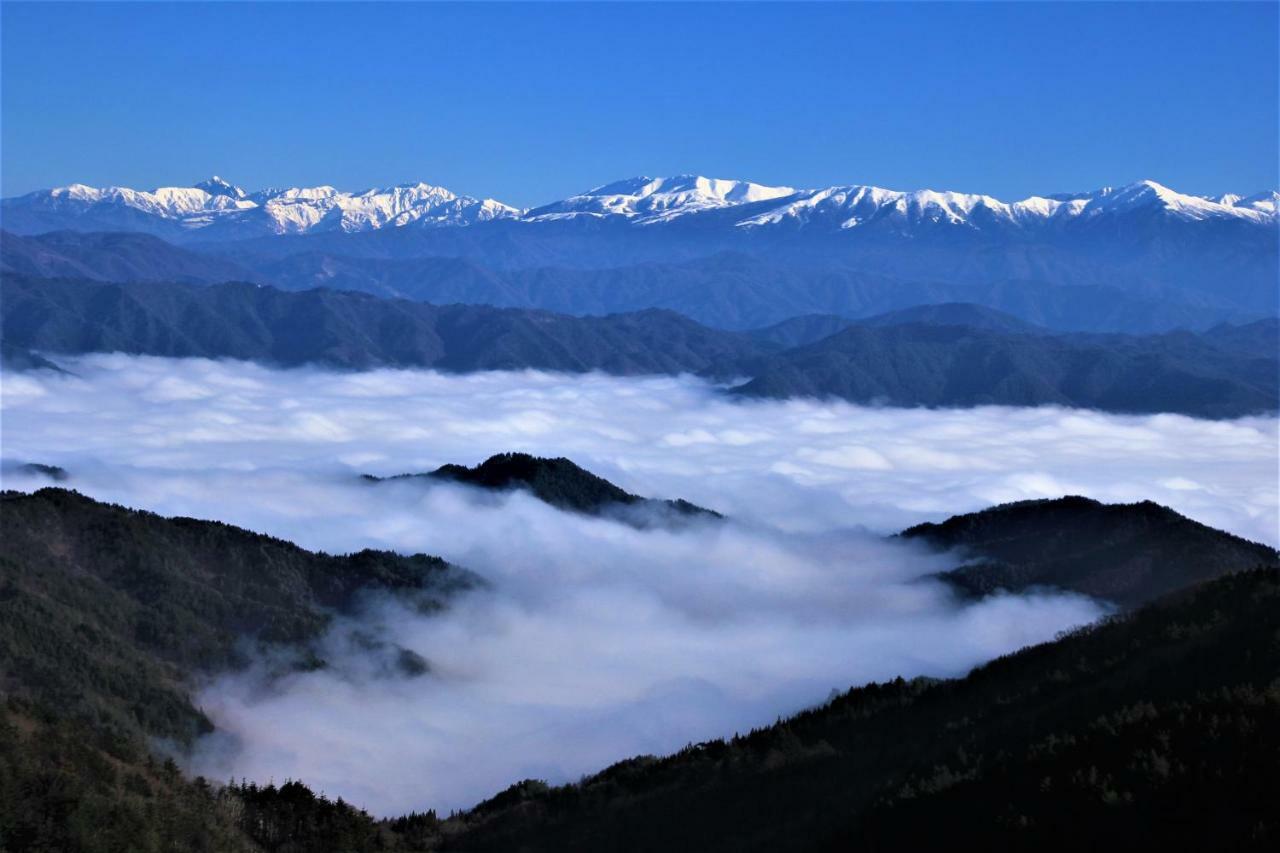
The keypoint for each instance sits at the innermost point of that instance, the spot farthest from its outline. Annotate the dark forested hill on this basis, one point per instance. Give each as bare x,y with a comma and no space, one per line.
560,483
1126,553
931,359
919,364
106,616
1156,730
1100,738
344,329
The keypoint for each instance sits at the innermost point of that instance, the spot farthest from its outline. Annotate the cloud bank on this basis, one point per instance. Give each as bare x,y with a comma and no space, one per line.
595,640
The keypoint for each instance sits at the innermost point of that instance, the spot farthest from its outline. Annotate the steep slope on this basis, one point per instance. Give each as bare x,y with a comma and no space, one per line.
562,484
1126,553
107,616
924,365
1095,741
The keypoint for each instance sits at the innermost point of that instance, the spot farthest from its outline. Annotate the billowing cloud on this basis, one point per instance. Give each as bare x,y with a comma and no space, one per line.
596,640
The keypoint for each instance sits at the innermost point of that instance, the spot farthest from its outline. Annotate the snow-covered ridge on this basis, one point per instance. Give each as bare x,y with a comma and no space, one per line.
659,199
853,206
229,211
295,210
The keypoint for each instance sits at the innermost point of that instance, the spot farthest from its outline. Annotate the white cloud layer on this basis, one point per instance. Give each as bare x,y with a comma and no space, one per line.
596,640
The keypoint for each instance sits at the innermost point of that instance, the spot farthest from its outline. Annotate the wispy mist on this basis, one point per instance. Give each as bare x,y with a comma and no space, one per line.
596,640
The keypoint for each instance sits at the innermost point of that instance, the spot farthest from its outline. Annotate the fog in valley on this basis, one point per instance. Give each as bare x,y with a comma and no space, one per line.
593,640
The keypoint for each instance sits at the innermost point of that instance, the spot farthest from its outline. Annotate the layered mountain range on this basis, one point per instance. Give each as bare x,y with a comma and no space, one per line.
953,355
728,253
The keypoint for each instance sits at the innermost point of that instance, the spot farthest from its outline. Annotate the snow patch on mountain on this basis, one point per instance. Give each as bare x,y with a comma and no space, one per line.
651,200
295,210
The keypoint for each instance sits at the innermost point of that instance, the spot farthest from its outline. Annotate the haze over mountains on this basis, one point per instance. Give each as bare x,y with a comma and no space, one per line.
943,356
728,253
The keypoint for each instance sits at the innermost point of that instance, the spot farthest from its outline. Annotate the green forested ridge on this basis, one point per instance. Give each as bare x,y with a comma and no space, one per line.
1126,553
105,615
559,482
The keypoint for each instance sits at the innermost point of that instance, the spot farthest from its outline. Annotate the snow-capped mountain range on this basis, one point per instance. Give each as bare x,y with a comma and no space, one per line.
222,206
220,210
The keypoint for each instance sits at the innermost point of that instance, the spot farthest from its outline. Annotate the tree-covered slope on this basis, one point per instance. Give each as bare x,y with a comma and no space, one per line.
106,617
1126,553
919,364
355,330
1159,729
929,361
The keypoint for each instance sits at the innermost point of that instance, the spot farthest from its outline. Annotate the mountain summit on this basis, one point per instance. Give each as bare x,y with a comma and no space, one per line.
221,210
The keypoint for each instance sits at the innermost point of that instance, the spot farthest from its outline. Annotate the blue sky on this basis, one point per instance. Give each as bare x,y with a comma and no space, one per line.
528,103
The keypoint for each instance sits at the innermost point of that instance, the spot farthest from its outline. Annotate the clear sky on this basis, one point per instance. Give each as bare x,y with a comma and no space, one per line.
528,103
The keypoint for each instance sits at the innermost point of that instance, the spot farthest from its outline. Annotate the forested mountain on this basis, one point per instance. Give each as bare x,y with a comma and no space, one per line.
106,617
723,289
1159,729
562,484
108,613
918,364
1126,553
355,330
880,361
112,256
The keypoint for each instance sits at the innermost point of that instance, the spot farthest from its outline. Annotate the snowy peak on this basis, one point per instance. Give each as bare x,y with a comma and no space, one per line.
858,206
646,199
221,210
217,186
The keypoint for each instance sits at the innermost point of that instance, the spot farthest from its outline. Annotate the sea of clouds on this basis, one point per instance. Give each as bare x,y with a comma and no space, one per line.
594,640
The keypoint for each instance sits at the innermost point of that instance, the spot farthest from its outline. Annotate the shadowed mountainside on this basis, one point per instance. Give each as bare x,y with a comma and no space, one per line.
107,615
881,361
917,364
558,482
1126,553
112,256
724,289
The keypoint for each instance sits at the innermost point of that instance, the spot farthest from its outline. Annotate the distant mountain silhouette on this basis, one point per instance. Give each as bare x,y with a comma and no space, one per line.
919,364
727,289
245,321
560,483
883,361
1126,553
112,256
